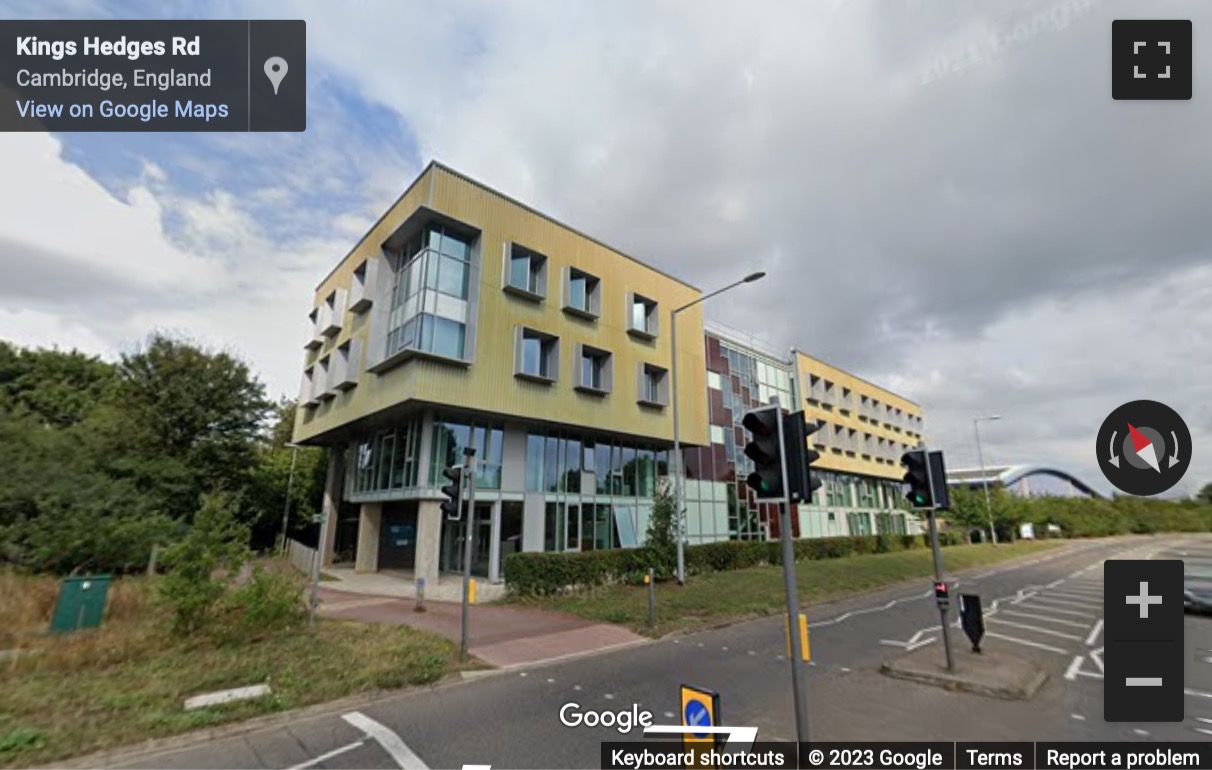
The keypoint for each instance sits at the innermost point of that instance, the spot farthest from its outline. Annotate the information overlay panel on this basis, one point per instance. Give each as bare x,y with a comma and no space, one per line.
153,76
918,756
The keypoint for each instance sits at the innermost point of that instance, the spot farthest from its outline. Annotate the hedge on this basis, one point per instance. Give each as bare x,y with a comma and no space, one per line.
542,573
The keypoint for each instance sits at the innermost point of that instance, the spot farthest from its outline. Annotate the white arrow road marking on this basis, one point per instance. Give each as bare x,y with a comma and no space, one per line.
391,743
914,641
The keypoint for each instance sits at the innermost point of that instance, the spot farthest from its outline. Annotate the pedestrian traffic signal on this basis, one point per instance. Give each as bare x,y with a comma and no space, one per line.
800,457
918,478
452,508
766,452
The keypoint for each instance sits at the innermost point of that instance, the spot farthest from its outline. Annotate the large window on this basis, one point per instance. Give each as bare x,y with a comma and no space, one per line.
450,438
653,385
385,461
595,373
429,299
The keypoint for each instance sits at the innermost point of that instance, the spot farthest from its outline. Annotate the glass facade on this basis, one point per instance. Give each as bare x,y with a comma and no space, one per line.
385,461
430,294
599,492
451,437
718,502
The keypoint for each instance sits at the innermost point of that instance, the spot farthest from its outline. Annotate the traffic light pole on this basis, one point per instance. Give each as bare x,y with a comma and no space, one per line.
469,478
938,570
793,602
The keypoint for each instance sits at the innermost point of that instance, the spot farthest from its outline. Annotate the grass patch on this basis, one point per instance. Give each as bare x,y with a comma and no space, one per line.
126,681
718,597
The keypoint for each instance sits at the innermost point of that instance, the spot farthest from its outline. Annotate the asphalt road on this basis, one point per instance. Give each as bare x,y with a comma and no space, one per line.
1047,609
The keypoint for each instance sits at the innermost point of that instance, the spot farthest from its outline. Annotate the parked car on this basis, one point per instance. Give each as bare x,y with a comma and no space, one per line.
1197,587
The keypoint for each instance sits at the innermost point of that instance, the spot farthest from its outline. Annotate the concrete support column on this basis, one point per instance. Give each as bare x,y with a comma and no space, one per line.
370,522
429,540
332,502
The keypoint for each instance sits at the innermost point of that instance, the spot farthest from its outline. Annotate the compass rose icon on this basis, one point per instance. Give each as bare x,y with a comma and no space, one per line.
1144,448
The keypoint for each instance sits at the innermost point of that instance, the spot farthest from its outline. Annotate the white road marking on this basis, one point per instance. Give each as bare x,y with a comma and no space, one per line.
751,652
1036,629
1078,717
576,687
725,649
700,644
1027,643
1045,618
1057,610
1139,731
550,680
1204,720
523,674
390,742
1197,693
1094,632
1064,602
609,696
329,755
1073,593
1202,730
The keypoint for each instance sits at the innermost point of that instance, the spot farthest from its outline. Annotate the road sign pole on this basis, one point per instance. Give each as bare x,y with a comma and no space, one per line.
469,475
938,569
793,603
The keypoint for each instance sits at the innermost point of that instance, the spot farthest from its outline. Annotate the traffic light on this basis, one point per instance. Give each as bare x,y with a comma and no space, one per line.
800,457
938,480
453,507
764,450
919,493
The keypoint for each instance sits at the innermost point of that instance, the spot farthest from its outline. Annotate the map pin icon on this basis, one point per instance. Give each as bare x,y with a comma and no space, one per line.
275,70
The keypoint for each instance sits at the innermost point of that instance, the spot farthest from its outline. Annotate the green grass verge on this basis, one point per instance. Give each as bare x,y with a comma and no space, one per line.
720,597
126,682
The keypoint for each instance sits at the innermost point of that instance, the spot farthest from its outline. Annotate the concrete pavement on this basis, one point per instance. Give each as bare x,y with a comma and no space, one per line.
1046,609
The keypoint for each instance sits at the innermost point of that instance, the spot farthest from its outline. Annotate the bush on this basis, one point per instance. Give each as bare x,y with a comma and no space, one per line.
202,567
267,602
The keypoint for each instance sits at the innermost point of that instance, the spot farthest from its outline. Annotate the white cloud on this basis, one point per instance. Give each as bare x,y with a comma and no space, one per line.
54,207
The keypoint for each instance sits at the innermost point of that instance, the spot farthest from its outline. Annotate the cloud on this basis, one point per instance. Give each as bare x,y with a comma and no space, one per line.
943,193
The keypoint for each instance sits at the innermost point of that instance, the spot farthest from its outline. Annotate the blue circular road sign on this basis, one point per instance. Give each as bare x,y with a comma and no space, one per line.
698,715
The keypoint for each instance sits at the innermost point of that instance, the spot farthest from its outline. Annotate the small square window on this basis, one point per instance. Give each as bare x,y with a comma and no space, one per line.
642,319
595,370
652,385
537,355
582,293
525,272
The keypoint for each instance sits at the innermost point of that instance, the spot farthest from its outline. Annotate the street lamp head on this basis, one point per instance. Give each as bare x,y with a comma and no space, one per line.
754,277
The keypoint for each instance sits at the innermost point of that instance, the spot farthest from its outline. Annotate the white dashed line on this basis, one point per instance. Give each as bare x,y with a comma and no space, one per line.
669,715
576,687
1062,602
725,649
1078,717
609,696
751,652
523,674
550,681
1139,731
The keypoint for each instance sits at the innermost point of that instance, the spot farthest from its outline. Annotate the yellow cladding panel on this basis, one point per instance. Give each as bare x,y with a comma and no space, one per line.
489,384
832,407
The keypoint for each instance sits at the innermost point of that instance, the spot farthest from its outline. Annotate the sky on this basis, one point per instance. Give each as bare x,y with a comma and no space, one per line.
945,197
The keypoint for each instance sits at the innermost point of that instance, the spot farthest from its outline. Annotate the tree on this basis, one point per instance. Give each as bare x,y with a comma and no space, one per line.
660,541
59,388
203,565
1205,495
199,409
271,476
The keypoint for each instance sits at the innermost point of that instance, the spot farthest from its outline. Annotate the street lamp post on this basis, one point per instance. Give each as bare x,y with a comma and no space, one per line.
677,444
976,427
290,482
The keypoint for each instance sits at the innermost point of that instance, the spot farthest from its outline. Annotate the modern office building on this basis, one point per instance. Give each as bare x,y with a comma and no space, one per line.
466,319
864,430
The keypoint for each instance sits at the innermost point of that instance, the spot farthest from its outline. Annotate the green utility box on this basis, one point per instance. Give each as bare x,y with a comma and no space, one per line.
81,603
